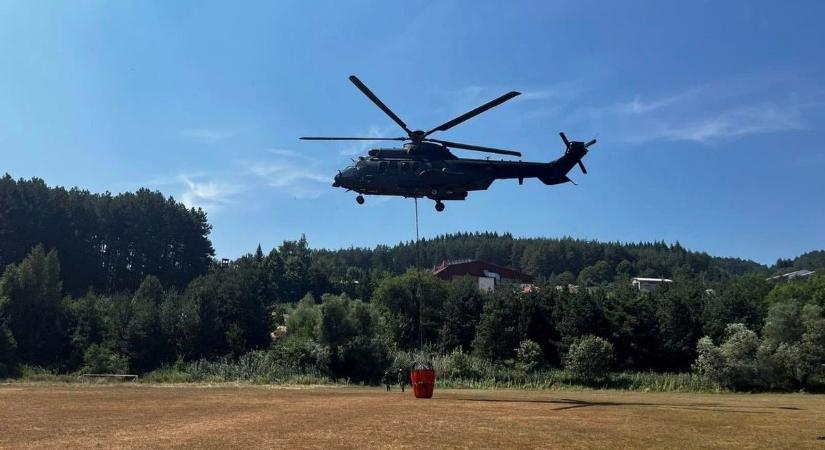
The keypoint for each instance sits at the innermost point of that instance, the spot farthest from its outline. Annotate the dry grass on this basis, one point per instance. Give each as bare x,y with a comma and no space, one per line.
197,416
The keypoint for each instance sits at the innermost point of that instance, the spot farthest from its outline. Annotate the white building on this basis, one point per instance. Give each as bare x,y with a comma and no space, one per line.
648,284
798,274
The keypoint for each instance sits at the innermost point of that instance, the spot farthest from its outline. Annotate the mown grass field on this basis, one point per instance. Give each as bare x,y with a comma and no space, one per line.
43,415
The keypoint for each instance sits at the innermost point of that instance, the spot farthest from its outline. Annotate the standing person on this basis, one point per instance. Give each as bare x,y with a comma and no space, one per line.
401,378
387,380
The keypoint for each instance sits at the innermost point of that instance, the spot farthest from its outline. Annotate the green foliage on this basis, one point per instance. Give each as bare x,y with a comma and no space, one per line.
303,355
257,366
30,293
99,359
529,356
793,352
8,347
634,325
348,328
87,320
461,314
303,320
679,316
740,301
733,363
598,273
800,291
158,304
109,242
590,358
401,298
508,319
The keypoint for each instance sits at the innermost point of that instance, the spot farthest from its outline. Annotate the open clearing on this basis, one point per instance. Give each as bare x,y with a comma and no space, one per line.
197,416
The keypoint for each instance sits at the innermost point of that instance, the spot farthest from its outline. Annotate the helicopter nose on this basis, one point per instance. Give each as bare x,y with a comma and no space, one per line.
337,180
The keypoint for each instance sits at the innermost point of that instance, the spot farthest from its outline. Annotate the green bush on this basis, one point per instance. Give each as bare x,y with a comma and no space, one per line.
529,356
302,355
8,346
99,359
590,358
732,364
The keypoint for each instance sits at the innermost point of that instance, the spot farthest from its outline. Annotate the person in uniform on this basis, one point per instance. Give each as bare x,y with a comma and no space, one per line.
387,381
402,379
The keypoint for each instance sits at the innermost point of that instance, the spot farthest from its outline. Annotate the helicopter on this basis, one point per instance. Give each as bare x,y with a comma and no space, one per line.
425,167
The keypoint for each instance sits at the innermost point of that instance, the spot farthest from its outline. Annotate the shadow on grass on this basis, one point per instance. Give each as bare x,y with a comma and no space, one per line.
566,403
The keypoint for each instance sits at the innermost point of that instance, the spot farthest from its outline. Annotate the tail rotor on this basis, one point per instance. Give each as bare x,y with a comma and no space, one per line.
575,145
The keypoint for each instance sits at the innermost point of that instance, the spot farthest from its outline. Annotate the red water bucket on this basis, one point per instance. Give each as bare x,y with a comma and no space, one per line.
423,382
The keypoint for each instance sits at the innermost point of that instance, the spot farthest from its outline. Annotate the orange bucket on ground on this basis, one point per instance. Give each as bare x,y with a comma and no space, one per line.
423,382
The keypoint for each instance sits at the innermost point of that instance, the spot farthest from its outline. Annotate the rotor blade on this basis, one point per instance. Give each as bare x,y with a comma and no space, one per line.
581,166
363,88
323,138
477,148
564,138
470,114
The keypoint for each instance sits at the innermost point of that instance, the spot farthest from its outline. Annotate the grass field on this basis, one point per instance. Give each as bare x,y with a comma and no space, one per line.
196,416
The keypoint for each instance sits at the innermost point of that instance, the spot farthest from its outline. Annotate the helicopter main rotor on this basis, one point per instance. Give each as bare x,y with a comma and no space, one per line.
419,136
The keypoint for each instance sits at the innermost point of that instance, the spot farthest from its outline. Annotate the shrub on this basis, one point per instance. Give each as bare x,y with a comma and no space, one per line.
303,355
733,363
99,359
590,358
529,356
8,346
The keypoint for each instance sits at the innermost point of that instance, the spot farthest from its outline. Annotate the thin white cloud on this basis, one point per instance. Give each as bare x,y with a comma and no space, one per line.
207,135
208,195
472,96
289,154
294,174
734,123
724,109
353,148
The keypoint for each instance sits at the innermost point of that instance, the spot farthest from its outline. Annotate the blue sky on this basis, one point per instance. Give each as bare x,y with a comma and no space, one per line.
708,114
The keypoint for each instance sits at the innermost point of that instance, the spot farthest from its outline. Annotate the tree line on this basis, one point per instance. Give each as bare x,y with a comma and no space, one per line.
246,306
352,313
106,242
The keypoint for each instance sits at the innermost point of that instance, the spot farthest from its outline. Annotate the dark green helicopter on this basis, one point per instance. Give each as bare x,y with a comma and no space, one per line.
425,167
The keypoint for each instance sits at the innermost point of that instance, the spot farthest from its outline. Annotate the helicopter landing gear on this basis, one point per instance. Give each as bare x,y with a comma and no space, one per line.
359,199
439,206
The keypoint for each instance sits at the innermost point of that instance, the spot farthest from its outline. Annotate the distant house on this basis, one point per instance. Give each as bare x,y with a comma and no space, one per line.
487,275
648,284
574,288
797,274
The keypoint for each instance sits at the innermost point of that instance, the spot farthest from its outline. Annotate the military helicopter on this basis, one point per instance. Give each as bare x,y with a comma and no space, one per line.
425,167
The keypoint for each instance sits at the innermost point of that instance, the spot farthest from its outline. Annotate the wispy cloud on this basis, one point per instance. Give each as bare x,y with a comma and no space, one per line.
197,189
723,109
471,96
549,100
732,124
209,195
294,173
352,148
207,135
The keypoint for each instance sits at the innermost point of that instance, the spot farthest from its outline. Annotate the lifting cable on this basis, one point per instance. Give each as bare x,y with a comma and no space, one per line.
417,291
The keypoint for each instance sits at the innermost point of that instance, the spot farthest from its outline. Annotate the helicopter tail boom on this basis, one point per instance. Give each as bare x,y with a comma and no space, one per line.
573,154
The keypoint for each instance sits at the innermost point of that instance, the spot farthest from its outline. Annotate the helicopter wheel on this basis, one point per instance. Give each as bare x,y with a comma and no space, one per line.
439,206
359,199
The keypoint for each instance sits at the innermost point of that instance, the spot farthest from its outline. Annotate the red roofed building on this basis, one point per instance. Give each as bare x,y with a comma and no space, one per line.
489,275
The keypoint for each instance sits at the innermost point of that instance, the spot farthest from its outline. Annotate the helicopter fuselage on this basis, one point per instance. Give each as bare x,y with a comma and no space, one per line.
425,167
432,171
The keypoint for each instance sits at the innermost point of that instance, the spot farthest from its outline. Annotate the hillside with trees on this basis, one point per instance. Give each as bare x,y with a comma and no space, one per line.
128,283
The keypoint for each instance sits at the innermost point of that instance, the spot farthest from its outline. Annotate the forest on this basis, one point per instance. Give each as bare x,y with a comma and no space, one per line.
129,283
